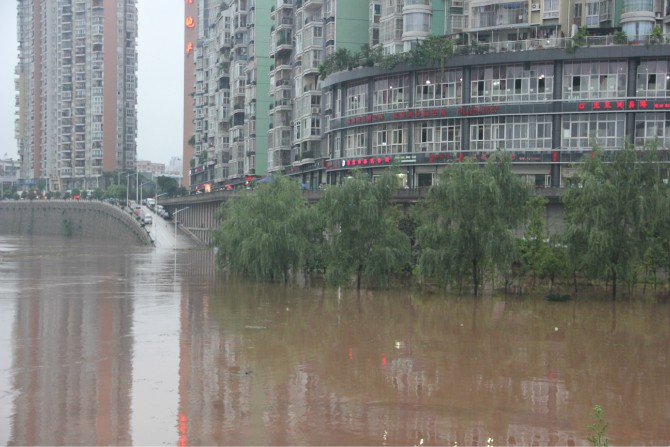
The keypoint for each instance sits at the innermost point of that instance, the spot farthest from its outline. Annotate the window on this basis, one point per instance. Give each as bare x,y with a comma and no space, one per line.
389,139
389,93
581,131
436,88
652,129
512,83
355,142
356,99
653,78
521,132
450,135
594,80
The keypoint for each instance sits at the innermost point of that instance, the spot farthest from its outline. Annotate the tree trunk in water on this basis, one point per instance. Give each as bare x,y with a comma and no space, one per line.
614,285
359,273
475,278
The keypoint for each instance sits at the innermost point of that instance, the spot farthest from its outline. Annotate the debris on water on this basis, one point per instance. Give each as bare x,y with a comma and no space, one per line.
255,327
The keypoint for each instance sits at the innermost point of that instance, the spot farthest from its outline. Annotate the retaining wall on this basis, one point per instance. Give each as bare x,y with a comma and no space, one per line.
71,219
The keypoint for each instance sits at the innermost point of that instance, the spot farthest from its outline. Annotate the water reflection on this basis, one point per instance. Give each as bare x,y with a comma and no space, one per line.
140,347
72,346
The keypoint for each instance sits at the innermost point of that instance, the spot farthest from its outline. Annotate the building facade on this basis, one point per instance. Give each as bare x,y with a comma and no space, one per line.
547,108
519,80
231,93
76,90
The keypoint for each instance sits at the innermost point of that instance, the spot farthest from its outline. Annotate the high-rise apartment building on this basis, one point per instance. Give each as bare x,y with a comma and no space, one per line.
254,119
304,34
76,90
231,96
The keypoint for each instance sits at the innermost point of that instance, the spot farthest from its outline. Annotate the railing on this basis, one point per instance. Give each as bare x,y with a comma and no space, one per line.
552,42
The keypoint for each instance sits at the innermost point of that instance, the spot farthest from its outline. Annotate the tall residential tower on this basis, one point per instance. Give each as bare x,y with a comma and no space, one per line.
76,90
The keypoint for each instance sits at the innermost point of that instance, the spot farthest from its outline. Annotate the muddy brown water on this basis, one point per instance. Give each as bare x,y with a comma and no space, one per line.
102,344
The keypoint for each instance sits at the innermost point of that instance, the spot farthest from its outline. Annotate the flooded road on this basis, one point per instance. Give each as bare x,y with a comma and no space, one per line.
102,344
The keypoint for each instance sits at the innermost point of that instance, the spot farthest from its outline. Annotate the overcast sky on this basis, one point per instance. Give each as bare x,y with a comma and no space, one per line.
160,79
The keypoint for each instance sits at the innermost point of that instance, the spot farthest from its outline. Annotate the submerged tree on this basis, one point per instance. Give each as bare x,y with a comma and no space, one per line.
467,221
544,254
261,233
610,214
363,240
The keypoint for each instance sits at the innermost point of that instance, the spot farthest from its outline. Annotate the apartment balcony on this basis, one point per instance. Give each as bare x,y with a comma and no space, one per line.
313,42
283,104
310,68
312,20
284,83
240,42
283,22
501,16
311,5
240,22
282,69
283,5
280,85
282,43
281,119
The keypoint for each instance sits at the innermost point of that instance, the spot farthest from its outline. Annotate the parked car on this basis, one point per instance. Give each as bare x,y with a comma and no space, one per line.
147,219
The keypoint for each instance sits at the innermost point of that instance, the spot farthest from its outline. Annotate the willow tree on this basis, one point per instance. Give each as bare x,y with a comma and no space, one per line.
262,234
362,237
468,219
611,214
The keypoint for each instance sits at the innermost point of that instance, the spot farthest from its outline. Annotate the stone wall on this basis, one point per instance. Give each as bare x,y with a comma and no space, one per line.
71,219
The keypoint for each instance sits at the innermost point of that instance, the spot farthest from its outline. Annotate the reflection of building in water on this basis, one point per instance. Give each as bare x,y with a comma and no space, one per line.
73,357
255,370
544,396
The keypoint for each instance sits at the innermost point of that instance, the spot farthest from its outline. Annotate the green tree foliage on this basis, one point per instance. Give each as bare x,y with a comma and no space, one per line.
167,185
545,256
116,192
467,221
363,240
98,194
432,51
263,233
610,214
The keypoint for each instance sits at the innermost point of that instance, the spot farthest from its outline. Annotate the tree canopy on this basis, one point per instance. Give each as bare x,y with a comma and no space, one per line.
263,233
614,211
466,223
363,240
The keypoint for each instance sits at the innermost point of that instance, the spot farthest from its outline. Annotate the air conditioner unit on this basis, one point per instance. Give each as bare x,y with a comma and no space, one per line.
659,14
535,7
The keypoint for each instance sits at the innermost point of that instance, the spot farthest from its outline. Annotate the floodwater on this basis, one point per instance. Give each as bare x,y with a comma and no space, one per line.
101,344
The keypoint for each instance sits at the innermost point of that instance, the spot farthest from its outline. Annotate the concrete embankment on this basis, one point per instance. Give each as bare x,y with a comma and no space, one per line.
71,218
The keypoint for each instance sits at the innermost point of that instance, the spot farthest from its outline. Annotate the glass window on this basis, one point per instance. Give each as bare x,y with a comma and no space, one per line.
652,129
512,83
389,139
390,93
438,87
589,80
653,78
356,99
582,131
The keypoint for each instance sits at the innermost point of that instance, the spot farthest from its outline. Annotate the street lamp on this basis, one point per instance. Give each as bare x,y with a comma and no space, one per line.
128,174
175,224
155,224
145,183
